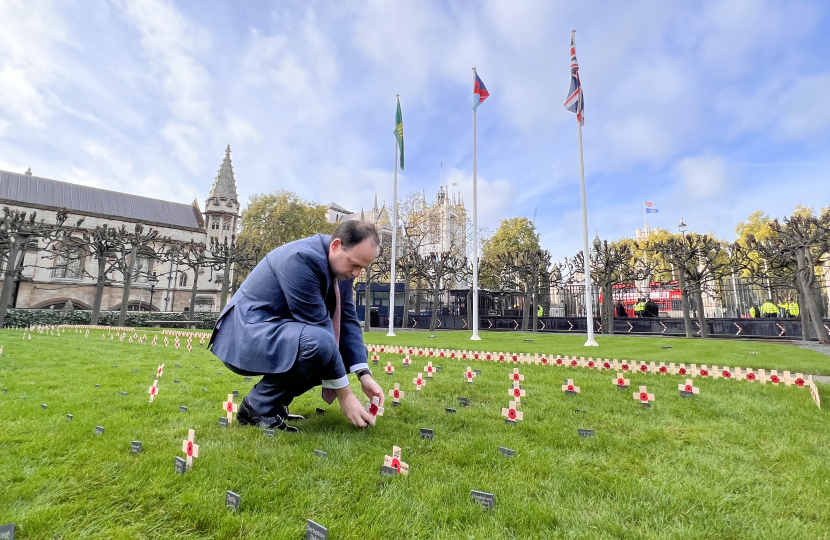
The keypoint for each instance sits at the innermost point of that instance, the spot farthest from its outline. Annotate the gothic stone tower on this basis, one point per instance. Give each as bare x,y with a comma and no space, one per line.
222,206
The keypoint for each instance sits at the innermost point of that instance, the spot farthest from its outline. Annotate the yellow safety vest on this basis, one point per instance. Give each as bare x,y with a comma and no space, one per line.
792,307
639,306
769,307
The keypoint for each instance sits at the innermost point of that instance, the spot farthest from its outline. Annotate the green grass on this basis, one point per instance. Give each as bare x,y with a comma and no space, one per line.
720,352
738,461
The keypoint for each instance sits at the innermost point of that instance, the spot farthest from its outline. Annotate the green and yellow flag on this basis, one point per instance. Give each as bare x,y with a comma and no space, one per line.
399,130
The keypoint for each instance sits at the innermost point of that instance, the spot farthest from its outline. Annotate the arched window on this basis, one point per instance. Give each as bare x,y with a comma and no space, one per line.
68,263
226,224
183,280
143,269
214,223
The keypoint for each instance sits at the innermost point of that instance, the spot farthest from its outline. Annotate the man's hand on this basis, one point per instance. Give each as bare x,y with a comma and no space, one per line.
352,409
372,389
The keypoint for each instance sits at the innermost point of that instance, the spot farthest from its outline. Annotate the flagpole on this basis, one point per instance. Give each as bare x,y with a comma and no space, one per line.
589,300
475,336
391,332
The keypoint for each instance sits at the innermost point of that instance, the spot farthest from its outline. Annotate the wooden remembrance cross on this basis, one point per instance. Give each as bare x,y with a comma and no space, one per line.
516,392
230,407
396,394
511,413
470,374
190,448
419,381
154,390
395,462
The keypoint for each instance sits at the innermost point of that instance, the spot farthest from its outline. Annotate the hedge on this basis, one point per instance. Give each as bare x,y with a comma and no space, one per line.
50,317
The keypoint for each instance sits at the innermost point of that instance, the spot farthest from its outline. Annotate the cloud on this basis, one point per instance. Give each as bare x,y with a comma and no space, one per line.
185,140
704,177
805,108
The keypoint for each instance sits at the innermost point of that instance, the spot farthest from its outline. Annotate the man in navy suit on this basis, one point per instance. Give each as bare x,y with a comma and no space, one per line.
293,321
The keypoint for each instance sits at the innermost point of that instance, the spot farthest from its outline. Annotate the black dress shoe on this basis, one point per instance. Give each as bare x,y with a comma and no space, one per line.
291,417
247,416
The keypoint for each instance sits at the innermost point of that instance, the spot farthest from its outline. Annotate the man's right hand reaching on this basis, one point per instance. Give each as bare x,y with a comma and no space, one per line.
352,409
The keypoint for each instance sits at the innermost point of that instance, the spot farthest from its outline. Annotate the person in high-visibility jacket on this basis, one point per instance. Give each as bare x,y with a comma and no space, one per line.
754,311
769,309
639,308
790,308
540,312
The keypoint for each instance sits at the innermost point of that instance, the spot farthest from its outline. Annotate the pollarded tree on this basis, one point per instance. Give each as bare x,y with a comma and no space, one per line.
520,273
193,255
224,256
439,270
793,252
17,231
135,245
700,261
612,264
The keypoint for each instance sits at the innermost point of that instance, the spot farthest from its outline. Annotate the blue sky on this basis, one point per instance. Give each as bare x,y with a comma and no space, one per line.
710,109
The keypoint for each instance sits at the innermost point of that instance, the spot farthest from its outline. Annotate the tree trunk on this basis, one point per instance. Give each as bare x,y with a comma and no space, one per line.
469,307
418,296
684,302
8,281
802,313
526,309
193,292
99,291
128,282
406,287
701,315
433,321
367,302
607,309
226,282
815,315
535,314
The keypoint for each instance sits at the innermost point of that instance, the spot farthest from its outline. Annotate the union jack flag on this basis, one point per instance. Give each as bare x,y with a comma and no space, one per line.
575,102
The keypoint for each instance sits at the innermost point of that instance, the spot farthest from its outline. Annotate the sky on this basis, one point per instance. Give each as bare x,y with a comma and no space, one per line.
709,109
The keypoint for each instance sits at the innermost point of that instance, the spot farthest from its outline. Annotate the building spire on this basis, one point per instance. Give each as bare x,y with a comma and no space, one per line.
224,186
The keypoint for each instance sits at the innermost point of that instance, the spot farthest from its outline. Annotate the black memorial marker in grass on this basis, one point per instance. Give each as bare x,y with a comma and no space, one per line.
180,465
320,454
427,433
135,447
487,500
507,451
315,531
99,430
232,500
585,432
182,408
223,422
7,531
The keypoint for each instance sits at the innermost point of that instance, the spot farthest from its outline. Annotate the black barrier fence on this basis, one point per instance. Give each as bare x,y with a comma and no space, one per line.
728,327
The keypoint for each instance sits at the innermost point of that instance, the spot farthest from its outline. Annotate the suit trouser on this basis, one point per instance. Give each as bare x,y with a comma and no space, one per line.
315,362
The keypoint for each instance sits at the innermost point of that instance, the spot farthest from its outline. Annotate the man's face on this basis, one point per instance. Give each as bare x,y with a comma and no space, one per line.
346,263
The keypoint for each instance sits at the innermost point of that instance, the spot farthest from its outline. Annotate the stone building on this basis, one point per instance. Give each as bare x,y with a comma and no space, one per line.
50,280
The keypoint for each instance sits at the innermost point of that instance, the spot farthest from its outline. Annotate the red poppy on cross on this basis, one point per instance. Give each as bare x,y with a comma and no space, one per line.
517,392
516,376
374,407
389,369
419,381
160,370
469,374
190,448
395,462
643,396
154,390
429,369
407,361
620,381
688,387
569,386
396,393
511,413
230,407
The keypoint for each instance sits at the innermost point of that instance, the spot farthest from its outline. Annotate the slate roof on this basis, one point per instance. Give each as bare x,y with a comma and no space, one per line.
37,192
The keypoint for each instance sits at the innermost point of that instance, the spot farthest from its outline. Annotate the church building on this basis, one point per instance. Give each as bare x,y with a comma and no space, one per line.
50,281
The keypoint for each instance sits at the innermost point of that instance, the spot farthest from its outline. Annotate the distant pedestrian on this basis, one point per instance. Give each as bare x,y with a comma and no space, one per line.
651,308
639,308
754,311
621,312
769,309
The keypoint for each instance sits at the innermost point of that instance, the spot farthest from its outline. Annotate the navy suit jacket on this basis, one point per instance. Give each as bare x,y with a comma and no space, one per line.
259,329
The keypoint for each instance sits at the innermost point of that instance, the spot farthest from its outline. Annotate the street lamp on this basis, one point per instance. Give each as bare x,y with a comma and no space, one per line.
153,280
682,227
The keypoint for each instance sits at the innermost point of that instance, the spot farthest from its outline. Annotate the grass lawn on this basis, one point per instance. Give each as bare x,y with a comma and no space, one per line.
720,352
738,461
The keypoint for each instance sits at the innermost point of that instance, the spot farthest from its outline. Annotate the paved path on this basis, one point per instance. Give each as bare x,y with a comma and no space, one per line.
819,348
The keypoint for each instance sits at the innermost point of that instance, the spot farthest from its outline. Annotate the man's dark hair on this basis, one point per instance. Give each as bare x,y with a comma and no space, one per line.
352,232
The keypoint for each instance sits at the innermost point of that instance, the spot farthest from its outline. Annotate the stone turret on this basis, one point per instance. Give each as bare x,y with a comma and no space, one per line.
222,206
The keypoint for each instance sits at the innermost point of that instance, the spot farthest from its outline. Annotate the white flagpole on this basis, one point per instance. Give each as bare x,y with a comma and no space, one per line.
391,332
589,299
475,336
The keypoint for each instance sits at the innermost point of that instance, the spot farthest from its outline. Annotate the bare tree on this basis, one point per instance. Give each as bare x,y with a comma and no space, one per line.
792,254
17,231
132,246
437,269
193,255
224,256
519,273
700,260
